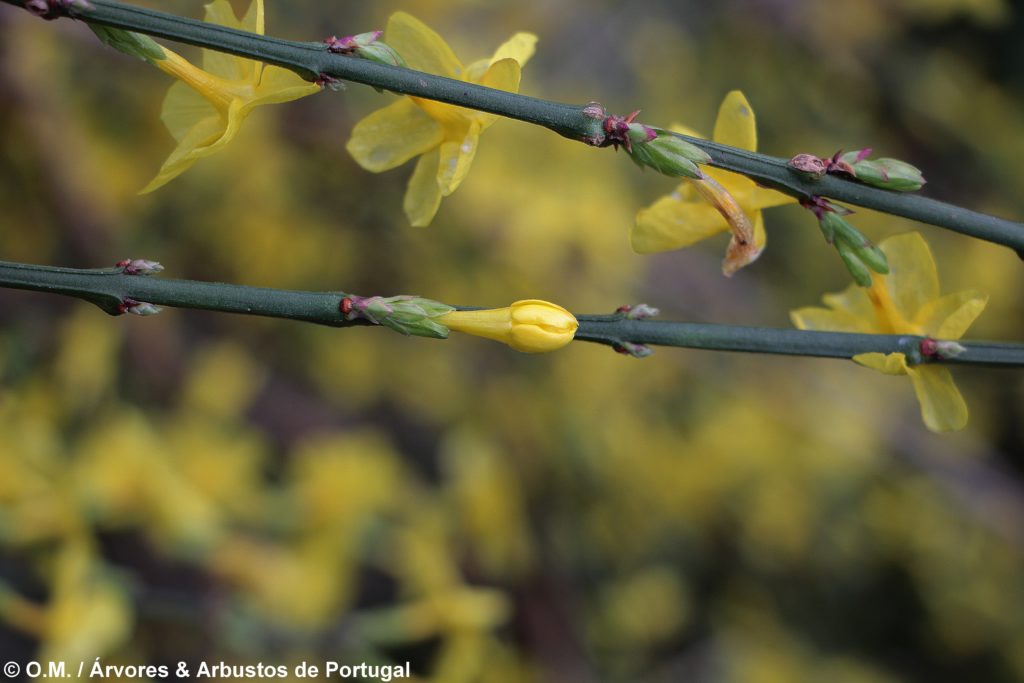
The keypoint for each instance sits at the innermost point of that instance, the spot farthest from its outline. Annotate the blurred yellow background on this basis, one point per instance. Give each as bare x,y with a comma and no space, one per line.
201,487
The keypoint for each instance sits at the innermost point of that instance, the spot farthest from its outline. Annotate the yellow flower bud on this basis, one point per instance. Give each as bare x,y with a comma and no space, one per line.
530,326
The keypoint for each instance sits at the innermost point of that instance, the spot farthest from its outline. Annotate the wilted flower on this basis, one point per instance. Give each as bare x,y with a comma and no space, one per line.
723,201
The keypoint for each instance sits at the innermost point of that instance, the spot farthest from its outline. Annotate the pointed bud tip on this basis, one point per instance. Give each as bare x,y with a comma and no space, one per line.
595,110
405,314
134,307
808,165
884,173
633,349
139,267
638,311
671,156
941,350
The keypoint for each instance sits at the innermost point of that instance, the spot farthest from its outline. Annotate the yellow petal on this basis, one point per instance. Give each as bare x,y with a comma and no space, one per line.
456,156
763,198
391,136
912,280
222,64
254,19
685,192
541,326
949,317
815,318
474,71
184,155
505,75
673,224
453,119
760,236
519,47
236,114
888,363
279,85
218,91
489,323
423,196
684,130
853,300
184,107
421,47
942,407
739,186
735,124
207,137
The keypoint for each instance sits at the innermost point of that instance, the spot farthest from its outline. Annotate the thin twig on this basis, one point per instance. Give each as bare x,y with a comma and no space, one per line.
114,291
312,61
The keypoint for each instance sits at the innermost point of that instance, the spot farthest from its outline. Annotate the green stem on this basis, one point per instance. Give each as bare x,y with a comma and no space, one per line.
310,60
615,329
110,288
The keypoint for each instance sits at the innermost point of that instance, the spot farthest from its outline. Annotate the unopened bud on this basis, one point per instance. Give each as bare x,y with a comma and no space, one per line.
130,43
944,350
873,257
670,155
827,221
809,166
949,349
365,46
52,9
639,134
409,315
860,273
330,82
629,348
530,326
139,266
638,311
138,307
382,53
348,44
889,174
859,254
594,110
820,206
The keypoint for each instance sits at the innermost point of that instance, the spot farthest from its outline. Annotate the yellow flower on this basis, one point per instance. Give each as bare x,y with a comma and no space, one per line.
445,137
725,201
205,109
906,301
530,326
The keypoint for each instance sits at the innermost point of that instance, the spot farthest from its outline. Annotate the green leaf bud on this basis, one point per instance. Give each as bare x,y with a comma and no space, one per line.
379,52
409,315
130,43
671,156
888,174
860,273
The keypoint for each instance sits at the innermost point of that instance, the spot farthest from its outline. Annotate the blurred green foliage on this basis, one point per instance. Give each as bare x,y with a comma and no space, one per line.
201,487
